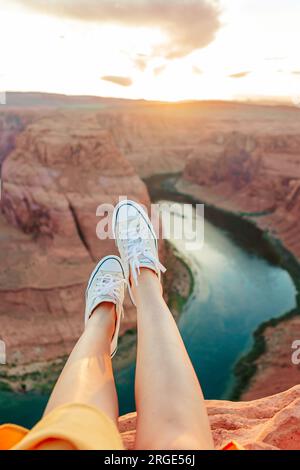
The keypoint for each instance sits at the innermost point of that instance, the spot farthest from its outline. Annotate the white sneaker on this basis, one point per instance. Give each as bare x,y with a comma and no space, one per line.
136,240
107,284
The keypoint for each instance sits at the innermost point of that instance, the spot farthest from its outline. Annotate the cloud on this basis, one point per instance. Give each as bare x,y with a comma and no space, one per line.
188,24
159,70
123,81
296,72
197,71
140,62
239,75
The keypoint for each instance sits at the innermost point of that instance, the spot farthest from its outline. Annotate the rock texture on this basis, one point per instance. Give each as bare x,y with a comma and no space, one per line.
271,423
62,168
160,138
258,175
275,370
242,158
11,124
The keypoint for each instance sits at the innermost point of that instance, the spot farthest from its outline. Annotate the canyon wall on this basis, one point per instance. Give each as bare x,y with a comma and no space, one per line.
255,175
61,169
271,423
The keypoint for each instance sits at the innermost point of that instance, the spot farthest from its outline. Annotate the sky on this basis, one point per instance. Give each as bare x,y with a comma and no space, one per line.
152,49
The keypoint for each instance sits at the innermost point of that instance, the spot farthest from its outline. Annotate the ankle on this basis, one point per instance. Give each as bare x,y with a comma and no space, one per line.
104,317
147,279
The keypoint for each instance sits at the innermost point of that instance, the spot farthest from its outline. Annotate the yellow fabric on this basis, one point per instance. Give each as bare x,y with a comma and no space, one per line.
68,427
10,435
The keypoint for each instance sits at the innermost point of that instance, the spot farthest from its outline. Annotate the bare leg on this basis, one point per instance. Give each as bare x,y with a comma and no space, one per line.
87,376
170,404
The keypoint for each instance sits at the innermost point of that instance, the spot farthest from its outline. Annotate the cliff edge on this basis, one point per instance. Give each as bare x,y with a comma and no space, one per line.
271,423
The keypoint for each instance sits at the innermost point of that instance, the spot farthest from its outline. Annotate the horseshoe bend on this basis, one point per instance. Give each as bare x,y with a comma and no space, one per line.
60,162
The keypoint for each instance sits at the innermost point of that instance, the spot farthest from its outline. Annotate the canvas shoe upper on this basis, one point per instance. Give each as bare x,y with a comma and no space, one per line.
136,240
107,284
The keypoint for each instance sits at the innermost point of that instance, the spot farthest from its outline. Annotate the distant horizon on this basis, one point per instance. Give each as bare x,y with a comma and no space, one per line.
255,100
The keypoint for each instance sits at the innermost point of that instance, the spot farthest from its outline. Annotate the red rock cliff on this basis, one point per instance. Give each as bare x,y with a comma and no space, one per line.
252,174
271,423
62,168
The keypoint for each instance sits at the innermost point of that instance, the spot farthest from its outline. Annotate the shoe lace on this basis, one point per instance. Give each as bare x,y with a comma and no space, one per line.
107,284
137,247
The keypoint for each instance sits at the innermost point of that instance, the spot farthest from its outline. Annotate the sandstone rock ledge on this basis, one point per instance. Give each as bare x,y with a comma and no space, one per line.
271,423
256,174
